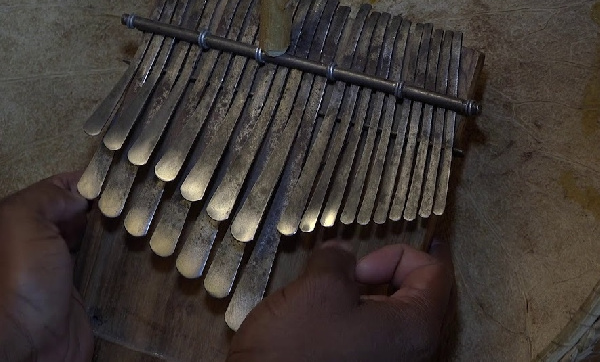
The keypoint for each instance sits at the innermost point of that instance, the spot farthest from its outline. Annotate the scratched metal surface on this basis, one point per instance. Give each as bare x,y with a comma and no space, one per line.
525,214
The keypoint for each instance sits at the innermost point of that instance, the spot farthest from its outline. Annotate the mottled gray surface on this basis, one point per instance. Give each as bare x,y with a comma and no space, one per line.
525,232
58,59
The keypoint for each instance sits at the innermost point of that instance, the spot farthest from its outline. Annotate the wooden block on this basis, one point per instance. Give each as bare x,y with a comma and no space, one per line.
275,26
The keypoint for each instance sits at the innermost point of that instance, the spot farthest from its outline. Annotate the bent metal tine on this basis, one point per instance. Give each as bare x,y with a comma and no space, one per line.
397,88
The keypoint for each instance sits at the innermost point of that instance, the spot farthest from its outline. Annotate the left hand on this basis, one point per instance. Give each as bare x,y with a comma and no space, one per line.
41,314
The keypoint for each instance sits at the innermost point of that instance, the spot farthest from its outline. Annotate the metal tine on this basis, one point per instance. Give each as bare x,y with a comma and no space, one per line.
373,183
120,127
288,224
147,195
105,110
343,175
437,135
444,177
253,282
170,224
228,256
141,150
246,146
123,173
415,119
194,254
438,129
219,134
173,218
401,118
375,30
255,276
431,136
92,180
216,77
250,213
414,195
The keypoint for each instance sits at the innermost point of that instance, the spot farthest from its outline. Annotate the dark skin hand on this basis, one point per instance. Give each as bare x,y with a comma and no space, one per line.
322,316
319,317
42,317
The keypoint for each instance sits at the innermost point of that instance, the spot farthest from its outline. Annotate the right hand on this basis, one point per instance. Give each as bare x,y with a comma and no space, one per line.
322,316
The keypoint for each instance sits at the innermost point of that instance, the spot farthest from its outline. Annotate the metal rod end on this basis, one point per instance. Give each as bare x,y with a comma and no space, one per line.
127,19
472,108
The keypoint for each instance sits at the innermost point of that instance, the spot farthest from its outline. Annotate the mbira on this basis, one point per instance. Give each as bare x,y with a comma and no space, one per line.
218,154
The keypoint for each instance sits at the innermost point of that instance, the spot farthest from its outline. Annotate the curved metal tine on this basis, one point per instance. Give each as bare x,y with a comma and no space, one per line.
343,177
144,145
255,276
373,184
438,128
147,195
219,134
415,119
311,214
416,182
444,177
171,87
121,178
251,211
192,258
253,283
288,224
94,176
267,124
228,256
105,110
92,179
121,126
401,119
223,270
223,80
426,152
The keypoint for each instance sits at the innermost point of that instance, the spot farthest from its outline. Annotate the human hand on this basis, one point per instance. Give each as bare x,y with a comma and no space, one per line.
322,316
41,314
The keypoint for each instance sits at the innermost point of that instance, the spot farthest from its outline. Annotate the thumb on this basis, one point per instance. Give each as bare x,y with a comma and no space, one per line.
330,274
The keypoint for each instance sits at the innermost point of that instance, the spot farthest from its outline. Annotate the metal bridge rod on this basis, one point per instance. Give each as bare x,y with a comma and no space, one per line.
398,88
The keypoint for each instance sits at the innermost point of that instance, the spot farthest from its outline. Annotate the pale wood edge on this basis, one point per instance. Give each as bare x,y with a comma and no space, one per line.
578,338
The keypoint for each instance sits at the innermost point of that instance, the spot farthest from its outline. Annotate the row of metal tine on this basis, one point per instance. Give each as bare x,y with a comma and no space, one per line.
267,149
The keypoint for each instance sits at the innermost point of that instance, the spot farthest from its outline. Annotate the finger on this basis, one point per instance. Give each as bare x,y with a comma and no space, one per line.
332,257
383,265
428,278
54,201
67,180
330,272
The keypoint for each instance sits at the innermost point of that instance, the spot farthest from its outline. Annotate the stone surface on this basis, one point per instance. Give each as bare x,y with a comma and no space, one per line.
527,209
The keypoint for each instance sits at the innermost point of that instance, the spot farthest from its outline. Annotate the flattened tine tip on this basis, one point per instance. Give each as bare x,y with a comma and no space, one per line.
108,208
136,158
188,192
135,224
286,228
164,173
161,247
188,269
242,233
87,191
216,213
